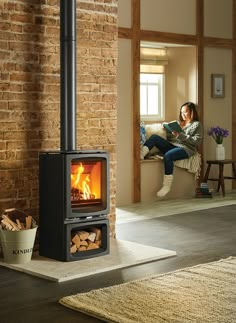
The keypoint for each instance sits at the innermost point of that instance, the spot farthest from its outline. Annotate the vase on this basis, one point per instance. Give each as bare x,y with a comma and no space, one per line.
220,152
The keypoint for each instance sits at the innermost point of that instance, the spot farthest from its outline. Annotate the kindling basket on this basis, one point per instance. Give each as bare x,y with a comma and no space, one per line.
17,246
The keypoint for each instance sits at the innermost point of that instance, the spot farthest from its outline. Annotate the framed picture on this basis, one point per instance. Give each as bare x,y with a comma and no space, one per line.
217,85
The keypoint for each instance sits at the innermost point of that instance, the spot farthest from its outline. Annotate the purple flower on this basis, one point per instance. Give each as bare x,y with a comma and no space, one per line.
218,134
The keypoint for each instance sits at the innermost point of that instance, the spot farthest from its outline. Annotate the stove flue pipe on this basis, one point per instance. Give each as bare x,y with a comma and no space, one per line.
68,74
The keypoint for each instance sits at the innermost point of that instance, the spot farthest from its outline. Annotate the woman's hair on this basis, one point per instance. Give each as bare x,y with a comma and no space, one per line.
193,111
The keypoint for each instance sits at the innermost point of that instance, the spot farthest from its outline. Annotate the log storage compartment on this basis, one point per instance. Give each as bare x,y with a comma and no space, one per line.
88,240
74,204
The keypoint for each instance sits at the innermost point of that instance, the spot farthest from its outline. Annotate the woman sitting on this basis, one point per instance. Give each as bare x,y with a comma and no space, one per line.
178,145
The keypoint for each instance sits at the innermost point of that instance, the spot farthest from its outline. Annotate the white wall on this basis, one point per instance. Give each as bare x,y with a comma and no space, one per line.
124,178
218,111
124,13
218,18
181,79
177,16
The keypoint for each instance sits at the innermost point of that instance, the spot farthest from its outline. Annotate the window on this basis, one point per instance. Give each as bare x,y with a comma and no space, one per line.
151,96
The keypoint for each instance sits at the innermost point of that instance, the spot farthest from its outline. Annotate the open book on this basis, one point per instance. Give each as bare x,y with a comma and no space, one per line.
172,126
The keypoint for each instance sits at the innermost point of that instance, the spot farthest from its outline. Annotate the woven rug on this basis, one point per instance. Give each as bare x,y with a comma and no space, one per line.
200,294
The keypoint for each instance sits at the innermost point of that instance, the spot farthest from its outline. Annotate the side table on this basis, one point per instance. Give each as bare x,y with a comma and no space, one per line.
221,177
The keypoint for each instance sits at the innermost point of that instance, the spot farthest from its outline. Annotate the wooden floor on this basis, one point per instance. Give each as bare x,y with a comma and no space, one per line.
197,236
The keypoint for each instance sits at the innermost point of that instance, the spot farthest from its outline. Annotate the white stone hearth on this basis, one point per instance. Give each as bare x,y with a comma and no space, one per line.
123,254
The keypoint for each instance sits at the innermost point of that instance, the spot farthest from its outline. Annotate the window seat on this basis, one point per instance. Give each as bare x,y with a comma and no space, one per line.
152,171
191,164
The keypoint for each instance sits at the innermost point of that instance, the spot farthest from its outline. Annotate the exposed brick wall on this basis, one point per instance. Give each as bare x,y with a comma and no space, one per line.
30,91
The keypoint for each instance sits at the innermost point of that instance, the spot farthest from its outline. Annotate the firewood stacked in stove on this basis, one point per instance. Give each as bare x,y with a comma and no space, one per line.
86,240
15,222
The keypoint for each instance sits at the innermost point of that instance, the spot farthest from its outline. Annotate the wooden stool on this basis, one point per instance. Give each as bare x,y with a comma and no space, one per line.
221,177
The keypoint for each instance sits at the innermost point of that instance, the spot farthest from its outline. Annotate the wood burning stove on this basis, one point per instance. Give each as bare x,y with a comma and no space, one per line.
74,197
73,185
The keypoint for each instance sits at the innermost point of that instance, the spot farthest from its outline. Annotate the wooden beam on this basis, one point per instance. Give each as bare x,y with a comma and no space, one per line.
136,100
218,42
233,87
157,36
200,70
125,33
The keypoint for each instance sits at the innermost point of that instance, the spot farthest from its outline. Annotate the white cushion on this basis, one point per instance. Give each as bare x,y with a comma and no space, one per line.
151,129
155,128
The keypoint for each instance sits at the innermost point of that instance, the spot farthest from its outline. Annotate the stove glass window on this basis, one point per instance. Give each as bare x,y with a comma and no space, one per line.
86,182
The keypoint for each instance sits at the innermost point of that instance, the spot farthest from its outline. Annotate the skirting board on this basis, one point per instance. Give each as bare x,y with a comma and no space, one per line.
123,254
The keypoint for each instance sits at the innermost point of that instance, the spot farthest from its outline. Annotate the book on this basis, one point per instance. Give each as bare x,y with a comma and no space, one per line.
202,190
172,126
203,195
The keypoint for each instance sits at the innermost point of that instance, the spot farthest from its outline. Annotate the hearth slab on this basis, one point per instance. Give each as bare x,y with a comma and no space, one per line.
123,254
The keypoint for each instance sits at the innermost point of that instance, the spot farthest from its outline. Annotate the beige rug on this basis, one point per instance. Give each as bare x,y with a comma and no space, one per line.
200,294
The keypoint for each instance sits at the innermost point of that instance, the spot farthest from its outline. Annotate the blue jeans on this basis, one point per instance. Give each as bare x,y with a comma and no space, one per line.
171,153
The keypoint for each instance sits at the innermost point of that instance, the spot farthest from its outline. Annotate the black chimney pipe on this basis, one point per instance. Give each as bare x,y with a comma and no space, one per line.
68,74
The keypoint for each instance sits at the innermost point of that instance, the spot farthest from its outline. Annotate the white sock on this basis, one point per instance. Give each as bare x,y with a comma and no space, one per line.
143,152
167,182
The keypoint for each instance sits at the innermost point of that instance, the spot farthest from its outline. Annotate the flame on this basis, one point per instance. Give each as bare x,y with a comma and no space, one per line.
86,188
86,180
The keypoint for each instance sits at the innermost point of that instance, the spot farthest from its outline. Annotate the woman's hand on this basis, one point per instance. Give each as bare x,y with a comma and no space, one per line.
175,133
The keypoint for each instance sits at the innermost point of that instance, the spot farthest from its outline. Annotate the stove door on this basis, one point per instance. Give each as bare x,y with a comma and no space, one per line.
87,182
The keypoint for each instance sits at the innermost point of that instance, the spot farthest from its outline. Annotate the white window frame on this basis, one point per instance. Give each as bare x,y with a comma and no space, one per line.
161,96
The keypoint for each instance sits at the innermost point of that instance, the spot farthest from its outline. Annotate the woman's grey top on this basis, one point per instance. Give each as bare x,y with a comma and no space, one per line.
189,139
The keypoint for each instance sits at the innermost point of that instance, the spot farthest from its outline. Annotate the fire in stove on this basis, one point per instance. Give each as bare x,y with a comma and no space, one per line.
74,198
85,183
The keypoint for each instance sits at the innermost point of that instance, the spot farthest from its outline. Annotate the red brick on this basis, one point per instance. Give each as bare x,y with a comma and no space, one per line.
29,96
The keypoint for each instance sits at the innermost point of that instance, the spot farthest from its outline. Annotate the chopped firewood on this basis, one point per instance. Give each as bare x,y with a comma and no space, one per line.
98,242
7,222
76,240
82,248
92,245
18,224
92,236
73,249
83,235
6,225
28,221
13,224
86,240
98,233
84,243
9,210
